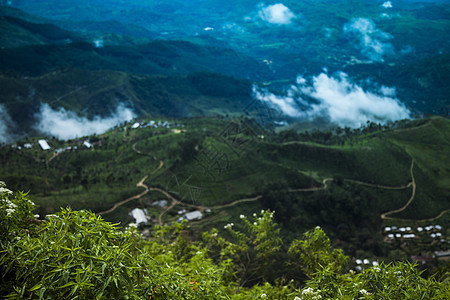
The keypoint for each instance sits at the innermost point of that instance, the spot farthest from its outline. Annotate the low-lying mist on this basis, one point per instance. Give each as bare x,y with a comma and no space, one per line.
66,125
6,126
338,99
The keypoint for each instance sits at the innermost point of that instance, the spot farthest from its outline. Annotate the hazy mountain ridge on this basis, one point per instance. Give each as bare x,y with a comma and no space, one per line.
98,93
17,32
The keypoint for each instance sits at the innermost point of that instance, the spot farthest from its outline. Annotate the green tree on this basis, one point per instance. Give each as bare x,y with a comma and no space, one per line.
251,253
314,253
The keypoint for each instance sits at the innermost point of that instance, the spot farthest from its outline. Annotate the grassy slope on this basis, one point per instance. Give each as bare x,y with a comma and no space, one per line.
381,158
429,145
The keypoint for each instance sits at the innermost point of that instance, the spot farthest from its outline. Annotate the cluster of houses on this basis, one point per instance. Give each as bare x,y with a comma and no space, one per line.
394,232
154,124
44,145
142,217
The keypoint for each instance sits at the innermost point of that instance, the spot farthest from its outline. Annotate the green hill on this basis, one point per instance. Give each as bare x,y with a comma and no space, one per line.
234,166
97,93
157,57
17,32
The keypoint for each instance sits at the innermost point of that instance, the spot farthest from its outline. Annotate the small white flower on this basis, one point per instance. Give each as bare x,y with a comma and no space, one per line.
308,291
242,216
377,269
36,216
9,204
263,296
10,211
364,292
254,214
254,223
132,225
297,298
5,191
228,226
262,211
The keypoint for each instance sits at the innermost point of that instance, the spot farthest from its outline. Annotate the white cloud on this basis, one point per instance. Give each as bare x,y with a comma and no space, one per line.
65,124
337,98
285,104
276,14
6,126
387,4
373,41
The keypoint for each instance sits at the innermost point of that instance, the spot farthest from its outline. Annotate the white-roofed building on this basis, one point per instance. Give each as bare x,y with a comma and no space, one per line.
139,215
44,145
194,215
87,144
99,43
409,236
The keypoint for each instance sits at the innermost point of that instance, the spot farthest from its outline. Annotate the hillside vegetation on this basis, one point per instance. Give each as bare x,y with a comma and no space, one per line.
75,254
343,180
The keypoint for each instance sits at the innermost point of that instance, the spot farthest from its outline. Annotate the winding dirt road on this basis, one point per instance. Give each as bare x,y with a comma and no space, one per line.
314,189
385,215
175,201
139,184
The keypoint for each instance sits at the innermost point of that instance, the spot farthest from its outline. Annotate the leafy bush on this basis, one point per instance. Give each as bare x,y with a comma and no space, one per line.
77,255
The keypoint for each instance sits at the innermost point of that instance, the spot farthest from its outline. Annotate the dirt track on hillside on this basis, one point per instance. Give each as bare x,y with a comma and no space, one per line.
139,184
325,181
385,215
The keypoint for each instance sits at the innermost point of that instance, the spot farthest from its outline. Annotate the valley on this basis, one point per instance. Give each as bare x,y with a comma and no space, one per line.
240,147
